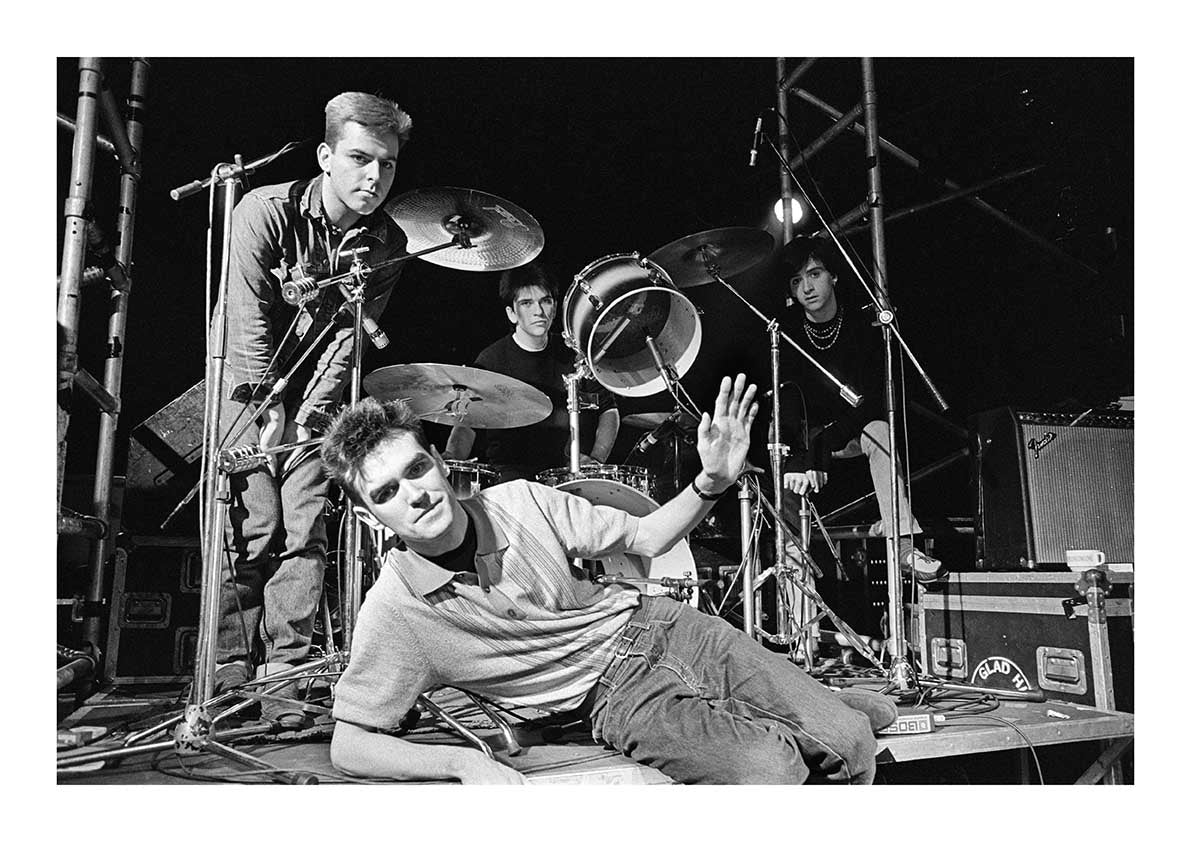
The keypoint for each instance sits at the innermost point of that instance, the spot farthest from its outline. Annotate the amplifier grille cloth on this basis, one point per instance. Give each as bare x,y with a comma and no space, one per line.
1081,491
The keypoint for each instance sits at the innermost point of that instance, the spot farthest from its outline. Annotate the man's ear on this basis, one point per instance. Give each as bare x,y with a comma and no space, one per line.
323,154
512,316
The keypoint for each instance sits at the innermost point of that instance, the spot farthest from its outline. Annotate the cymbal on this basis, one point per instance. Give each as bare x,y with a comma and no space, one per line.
733,251
502,235
456,395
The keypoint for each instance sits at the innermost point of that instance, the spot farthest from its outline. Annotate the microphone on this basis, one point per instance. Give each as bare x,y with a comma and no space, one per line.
756,139
371,329
660,432
305,289
379,339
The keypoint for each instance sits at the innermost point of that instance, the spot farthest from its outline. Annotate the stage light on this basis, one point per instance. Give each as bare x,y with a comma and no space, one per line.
796,211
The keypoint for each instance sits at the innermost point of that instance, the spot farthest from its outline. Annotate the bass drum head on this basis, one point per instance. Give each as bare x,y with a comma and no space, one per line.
678,562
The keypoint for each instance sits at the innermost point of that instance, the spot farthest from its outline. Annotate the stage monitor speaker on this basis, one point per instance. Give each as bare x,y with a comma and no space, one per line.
164,454
1044,486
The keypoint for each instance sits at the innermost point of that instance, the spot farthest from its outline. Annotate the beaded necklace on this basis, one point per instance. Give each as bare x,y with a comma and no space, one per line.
827,333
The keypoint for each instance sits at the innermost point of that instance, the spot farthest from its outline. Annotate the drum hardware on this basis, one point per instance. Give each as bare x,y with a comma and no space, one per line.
675,588
677,563
571,382
490,249
459,395
243,459
788,575
706,249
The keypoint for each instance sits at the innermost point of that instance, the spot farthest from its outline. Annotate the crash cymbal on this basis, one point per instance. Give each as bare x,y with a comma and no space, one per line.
733,251
502,235
459,395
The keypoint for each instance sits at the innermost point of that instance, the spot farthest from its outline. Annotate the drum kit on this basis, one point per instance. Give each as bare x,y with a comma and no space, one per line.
625,317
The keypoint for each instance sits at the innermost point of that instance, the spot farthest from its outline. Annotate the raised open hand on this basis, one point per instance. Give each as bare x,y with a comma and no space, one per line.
724,437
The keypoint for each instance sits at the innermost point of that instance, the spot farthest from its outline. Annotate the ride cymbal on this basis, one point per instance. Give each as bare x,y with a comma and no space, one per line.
457,395
732,251
500,234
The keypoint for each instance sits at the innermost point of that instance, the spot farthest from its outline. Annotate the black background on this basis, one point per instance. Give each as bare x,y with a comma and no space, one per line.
617,155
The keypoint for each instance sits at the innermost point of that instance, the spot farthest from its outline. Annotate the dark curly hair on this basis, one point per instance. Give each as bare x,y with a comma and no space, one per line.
358,431
797,251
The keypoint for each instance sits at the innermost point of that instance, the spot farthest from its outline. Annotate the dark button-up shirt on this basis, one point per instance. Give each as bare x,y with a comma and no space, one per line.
267,250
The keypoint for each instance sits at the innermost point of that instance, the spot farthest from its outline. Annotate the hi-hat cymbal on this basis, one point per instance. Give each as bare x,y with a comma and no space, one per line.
457,395
502,235
732,251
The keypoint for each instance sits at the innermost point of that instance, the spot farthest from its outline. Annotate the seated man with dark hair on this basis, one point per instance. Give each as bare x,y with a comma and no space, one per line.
843,342
483,595
534,355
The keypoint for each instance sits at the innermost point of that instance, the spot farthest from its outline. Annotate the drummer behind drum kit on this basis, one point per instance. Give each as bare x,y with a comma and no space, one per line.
631,328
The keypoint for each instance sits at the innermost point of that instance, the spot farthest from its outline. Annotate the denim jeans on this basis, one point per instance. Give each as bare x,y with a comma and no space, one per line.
873,444
276,537
690,695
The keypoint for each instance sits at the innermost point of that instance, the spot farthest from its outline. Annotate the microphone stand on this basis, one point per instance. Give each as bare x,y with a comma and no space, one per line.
195,732
787,574
901,675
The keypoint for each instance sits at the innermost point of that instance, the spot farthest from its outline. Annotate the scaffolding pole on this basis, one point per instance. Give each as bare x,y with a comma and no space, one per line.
128,139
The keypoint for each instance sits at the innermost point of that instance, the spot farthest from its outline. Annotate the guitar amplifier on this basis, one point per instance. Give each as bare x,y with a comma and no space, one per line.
1045,486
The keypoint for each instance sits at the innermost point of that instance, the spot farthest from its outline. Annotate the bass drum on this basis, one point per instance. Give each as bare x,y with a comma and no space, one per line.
614,305
677,563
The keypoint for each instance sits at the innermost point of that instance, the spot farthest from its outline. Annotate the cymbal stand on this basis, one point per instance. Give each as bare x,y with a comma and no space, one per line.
787,574
777,450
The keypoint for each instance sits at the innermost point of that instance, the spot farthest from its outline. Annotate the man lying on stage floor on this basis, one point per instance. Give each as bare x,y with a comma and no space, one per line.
483,596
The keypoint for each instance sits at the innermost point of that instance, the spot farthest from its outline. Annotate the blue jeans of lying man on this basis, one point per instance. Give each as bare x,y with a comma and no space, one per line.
702,702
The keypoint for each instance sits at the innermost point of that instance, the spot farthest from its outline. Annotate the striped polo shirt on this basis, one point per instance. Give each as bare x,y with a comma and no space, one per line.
527,629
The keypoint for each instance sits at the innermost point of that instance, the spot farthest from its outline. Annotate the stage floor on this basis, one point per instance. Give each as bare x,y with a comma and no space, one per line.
1073,744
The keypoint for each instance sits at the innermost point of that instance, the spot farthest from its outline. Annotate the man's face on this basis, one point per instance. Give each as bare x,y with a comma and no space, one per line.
532,312
406,489
813,286
360,168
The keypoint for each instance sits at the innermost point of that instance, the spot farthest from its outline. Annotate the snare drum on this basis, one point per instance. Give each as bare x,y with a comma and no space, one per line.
469,478
635,477
677,563
614,305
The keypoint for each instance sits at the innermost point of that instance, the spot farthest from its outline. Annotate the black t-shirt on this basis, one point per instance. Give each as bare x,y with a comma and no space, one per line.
463,557
856,358
528,450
